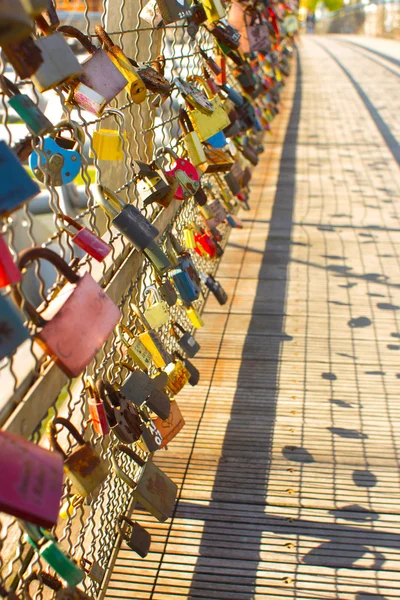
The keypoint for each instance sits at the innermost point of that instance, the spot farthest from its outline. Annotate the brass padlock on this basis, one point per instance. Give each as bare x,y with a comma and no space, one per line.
151,184
152,488
151,341
135,348
136,537
83,467
178,376
191,140
208,125
157,310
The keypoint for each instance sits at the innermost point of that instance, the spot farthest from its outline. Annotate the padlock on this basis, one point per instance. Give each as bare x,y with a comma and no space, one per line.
135,86
214,10
157,310
136,350
85,239
184,276
15,23
34,479
174,10
228,37
68,509
194,97
47,547
248,152
191,140
152,488
178,376
151,184
34,119
151,439
24,56
12,329
170,427
186,341
84,316
218,160
121,413
188,238
210,61
205,245
193,371
141,390
99,74
93,570
136,537
190,184
17,186
9,272
151,340
167,290
52,582
194,317
208,125
107,144
215,214
133,225
83,467
58,162
97,410
215,287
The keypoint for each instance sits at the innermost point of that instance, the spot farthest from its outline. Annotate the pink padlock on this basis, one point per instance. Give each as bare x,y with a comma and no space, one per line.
185,172
9,272
86,239
32,480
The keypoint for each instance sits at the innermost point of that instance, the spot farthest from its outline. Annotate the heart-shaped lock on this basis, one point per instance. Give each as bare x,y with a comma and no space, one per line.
184,171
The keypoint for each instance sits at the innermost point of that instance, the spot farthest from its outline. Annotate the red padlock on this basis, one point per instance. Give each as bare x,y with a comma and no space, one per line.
205,244
97,410
190,180
9,272
221,62
210,81
86,239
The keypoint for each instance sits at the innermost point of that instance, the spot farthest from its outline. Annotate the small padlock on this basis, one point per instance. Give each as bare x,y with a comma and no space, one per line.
169,428
135,86
178,376
157,310
174,10
47,547
68,508
34,119
189,181
9,272
97,411
151,184
93,570
186,341
167,290
151,340
107,144
188,238
86,239
210,61
121,413
58,161
133,225
184,276
136,537
83,467
205,245
218,160
151,439
141,390
194,317
12,329
214,10
99,74
194,372
136,350
152,488
17,186
191,140
215,287
215,215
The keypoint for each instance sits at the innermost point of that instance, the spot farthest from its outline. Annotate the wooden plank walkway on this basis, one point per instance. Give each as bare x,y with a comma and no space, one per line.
288,467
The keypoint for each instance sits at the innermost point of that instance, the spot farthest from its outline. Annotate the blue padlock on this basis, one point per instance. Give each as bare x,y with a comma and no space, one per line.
12,329
218,140
59,158
186,280
17,186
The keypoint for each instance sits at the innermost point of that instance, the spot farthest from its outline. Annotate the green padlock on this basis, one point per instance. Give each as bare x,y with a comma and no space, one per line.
34,119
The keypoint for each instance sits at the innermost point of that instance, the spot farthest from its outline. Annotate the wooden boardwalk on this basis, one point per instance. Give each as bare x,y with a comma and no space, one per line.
288,466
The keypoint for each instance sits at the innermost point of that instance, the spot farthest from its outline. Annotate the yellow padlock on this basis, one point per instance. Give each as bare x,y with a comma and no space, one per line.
208,125
191,140
178,376
157,309
151,341
136,87
135,349
214,10
194,317
107,143
188,238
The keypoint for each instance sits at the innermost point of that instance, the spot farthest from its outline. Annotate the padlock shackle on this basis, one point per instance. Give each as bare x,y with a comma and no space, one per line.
73,32
8,87
163,151
203,83
158,64
52,433
105,198
177,325
142,319
117,469
103,36
77,131
27,256
185,122
124,329
71,222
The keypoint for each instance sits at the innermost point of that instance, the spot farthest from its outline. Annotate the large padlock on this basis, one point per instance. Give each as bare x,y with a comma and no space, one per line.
85,239
34,479
215,288
151,184
34,119
134,347
121,413
151,340
15,23
214,10
184,171
80,317
185,341
100,75
58,161
47,547
208,125
141,390
12,329
17,186
135,86
193,371
178,376
157,310
152,488
191,140
133,225
108,144
136,537
83,467
97,411
9,272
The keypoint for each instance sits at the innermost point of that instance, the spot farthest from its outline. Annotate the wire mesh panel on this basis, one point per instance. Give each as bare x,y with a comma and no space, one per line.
94,161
